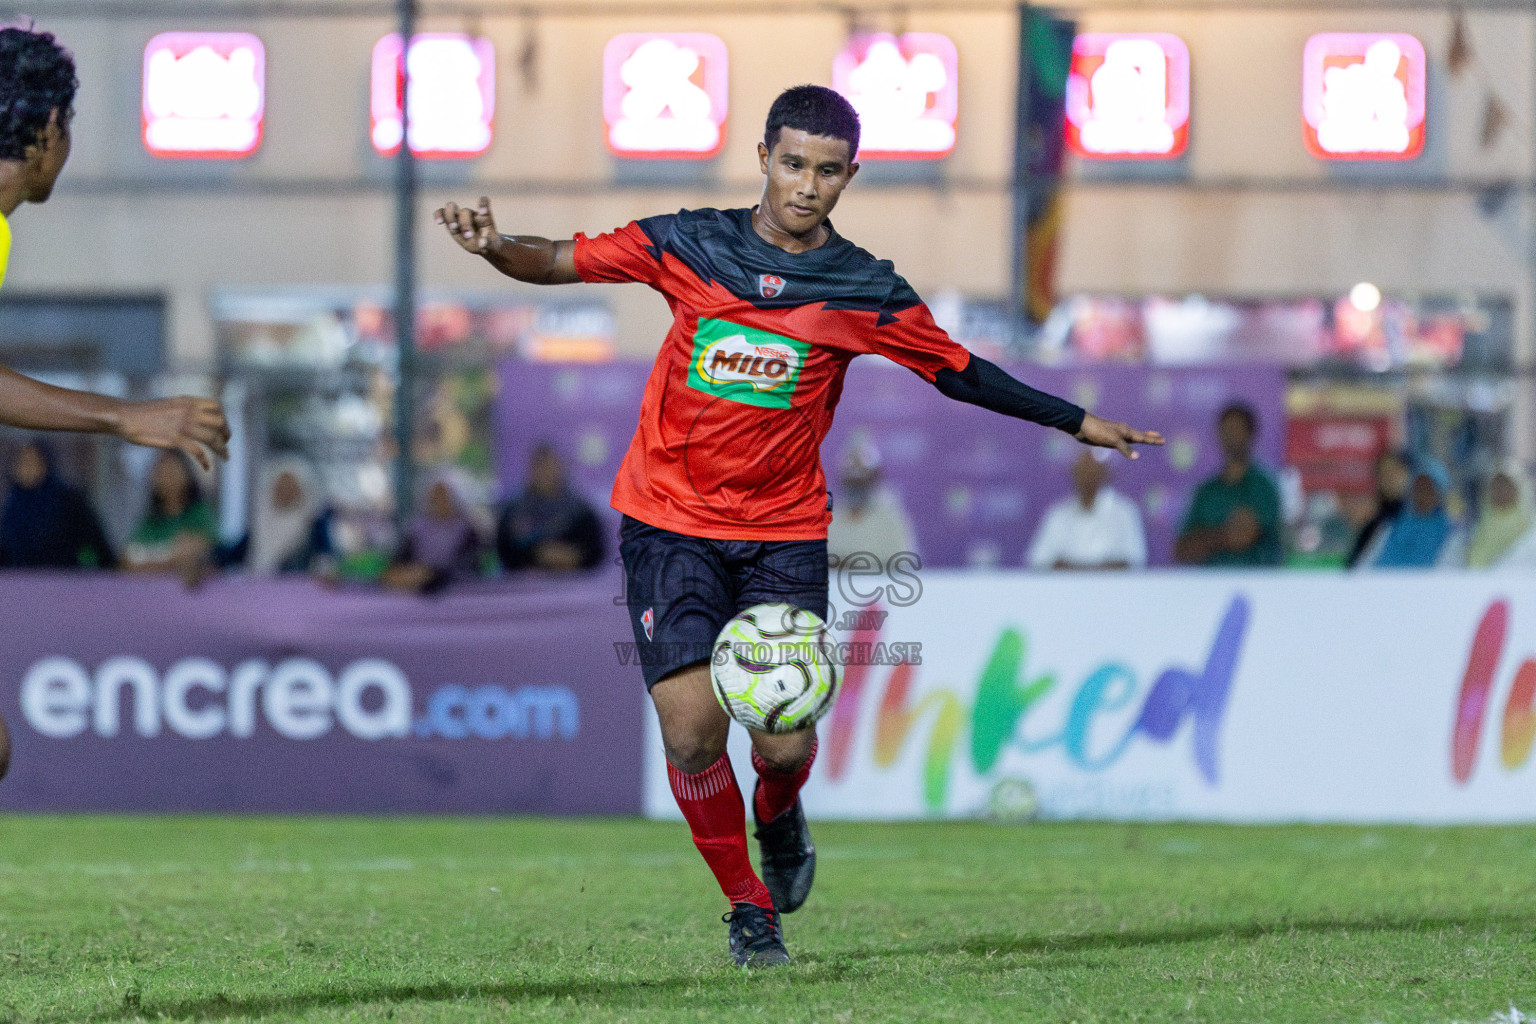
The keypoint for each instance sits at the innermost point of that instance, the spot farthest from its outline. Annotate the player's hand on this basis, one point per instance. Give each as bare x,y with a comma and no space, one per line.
474,229
1102,433
195,426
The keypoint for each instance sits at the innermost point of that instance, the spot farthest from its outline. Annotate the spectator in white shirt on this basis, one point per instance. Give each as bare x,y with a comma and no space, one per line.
1096,527
867,514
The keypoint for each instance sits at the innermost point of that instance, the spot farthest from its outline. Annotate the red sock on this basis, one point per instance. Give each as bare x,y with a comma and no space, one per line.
779,789
711,802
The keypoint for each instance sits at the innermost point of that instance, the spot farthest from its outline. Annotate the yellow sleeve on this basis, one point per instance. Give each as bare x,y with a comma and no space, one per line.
5,246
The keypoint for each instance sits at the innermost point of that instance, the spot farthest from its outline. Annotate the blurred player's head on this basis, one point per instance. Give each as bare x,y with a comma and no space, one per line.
37,95
1236,428
807,154
546,471
172,486
1431,482
32,465
1089,474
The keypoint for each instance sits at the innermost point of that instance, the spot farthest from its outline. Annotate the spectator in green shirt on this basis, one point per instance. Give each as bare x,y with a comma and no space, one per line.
180,530
1234,518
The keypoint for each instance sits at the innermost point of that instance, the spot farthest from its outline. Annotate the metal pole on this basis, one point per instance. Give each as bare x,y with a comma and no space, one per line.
1018,292
405,283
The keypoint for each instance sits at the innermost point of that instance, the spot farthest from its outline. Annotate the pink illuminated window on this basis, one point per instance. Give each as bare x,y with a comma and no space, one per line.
665,95
906,90
1128,97
1362,96
453,95
204,94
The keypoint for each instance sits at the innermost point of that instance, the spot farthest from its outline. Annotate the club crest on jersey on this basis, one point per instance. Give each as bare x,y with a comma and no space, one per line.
769,285
746,365
648,621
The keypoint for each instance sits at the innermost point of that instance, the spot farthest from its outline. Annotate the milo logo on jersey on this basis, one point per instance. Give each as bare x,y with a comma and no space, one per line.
746,365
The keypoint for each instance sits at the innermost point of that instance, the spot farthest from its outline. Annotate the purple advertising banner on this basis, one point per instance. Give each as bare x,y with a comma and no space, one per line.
135,694
975,484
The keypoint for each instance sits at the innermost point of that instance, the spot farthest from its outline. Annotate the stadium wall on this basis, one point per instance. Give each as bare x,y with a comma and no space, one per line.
1247,213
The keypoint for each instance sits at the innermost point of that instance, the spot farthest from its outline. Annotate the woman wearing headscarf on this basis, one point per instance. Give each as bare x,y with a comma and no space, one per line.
179,530
1508,512
1423,536
48,523
1393,475
290,526
442,543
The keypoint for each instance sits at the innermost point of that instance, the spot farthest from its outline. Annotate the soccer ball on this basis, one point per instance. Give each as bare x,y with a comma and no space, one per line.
772,668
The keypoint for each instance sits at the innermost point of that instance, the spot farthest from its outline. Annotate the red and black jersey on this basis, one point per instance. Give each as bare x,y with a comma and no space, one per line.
744,388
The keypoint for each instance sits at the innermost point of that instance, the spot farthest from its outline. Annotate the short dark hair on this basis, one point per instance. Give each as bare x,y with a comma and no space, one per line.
1244,412
37,77
815,110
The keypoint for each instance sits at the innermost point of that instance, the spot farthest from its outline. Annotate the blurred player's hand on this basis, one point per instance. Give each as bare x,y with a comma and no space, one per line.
474,229
195,426
1102,433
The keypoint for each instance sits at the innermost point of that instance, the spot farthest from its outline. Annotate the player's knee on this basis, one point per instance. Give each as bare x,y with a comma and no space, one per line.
693,751
784,761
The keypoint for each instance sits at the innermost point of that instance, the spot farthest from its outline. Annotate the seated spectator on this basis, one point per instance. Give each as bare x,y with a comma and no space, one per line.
1423,536
441,545
867,514
1234,517
1508,512
1096,527
1393,474
179,531
549,525
49,524
291,525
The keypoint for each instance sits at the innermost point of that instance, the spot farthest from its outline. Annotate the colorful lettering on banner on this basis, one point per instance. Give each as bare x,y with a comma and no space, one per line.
1519,726
452,95
1363,96
906,90
1008,692
204,94
1128,96
665,95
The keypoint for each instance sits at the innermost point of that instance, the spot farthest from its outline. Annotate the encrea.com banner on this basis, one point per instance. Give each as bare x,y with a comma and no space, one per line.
135,694
1179,695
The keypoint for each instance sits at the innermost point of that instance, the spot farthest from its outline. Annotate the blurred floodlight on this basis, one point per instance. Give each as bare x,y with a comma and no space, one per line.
1128,96
204,94
453,94
906,90
1363,96
665,95
1365,297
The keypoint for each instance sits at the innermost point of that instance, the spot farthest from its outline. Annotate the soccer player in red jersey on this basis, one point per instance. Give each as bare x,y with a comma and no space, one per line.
37,92
724,500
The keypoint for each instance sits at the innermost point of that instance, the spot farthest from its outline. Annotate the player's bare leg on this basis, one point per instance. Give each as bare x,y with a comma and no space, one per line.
694,729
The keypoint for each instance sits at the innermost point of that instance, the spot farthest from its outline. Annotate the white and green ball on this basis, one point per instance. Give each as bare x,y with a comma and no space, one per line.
773,669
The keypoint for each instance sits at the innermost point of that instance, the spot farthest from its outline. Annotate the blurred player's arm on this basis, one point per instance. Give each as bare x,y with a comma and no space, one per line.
986,384
195,426
521,257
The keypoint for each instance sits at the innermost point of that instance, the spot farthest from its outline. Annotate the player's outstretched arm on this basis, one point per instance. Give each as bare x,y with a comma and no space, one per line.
195,426
985,384
521,257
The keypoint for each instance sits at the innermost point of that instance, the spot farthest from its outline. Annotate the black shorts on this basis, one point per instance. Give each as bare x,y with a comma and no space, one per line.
682,590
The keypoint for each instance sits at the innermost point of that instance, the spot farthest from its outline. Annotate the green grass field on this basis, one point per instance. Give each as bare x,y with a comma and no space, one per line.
343,919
